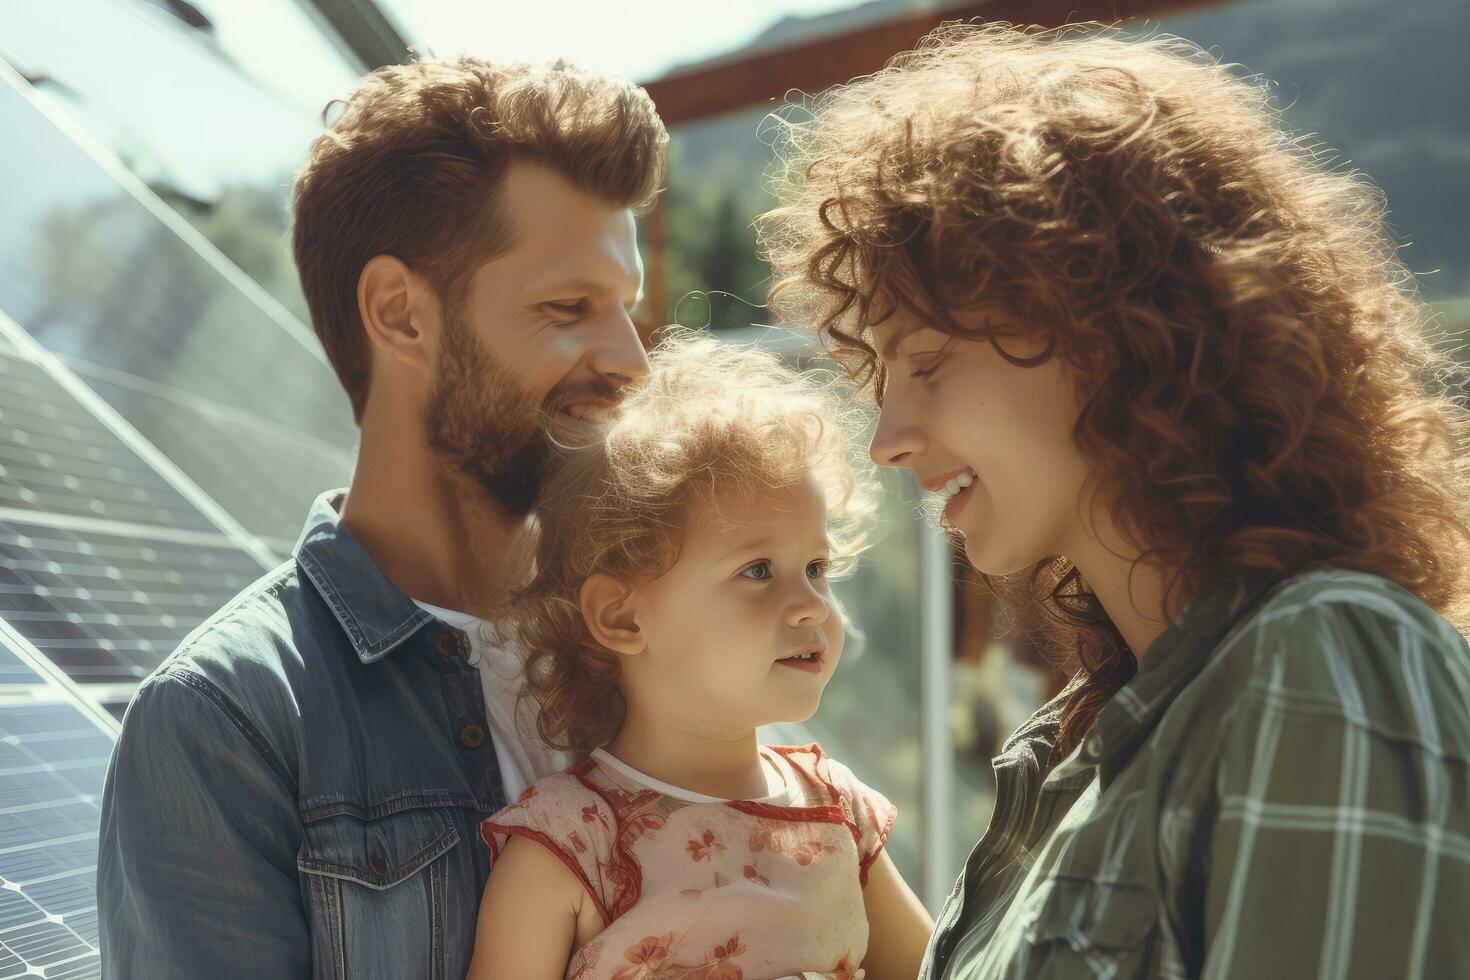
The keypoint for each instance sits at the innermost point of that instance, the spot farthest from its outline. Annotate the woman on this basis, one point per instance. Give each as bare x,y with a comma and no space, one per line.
1157,360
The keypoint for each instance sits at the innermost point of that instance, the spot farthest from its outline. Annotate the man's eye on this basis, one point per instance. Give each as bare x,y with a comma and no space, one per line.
760,571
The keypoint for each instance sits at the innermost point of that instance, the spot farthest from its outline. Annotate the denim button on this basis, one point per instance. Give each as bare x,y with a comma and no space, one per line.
472,736
376,862
446,645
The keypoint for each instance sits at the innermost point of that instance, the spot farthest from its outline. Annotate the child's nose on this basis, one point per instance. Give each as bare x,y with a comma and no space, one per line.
810,609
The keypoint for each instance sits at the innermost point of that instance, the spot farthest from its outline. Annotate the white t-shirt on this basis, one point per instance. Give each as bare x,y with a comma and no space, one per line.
523,757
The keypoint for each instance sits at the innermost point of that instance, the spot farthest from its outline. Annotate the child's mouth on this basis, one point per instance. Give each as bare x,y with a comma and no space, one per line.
808,660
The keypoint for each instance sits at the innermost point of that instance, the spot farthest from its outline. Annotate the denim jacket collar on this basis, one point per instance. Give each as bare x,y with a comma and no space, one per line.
376,616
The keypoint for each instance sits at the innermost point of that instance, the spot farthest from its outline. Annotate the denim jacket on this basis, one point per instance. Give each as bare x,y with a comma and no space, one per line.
297,790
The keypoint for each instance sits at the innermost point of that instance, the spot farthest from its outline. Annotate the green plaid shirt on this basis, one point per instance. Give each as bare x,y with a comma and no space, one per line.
1282,791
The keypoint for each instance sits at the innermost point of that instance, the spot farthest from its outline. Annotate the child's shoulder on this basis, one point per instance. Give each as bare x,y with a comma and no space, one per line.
559,788
868,813
813,763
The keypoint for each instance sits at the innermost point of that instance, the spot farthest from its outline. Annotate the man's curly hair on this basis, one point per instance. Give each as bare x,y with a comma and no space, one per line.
1260,390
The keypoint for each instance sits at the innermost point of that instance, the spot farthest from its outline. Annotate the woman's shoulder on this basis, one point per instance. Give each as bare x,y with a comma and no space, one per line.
1350,614
1338,591
1354,648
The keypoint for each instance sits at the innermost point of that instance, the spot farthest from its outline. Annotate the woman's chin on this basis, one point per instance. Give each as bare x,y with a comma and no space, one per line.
991,560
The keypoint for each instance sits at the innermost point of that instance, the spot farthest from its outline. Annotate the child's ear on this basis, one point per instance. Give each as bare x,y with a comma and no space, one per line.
609,608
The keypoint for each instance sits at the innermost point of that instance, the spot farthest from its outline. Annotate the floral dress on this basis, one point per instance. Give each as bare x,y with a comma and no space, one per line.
692,887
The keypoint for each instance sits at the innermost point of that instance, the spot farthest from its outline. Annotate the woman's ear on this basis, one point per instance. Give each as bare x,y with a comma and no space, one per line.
609,608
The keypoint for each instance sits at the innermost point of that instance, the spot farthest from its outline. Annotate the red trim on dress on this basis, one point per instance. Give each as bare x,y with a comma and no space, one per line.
812,776
866,861
620,859
844,808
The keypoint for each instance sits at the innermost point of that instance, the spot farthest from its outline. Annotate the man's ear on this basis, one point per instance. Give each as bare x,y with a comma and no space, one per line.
609,608
394,303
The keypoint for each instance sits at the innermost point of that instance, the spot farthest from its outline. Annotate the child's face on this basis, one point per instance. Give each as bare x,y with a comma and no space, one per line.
725,624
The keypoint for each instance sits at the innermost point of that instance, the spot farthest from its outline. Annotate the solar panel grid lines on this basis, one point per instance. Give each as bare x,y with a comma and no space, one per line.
113,421
109,608
55,457
54,750
164,423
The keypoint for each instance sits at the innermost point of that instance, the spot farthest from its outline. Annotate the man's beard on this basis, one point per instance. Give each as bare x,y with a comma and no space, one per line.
487,426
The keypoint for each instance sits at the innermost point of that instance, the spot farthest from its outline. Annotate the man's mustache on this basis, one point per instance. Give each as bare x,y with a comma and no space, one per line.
598,392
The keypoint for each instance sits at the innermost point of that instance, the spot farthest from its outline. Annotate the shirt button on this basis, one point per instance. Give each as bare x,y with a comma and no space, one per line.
1092,746
472,736
378,864
446,645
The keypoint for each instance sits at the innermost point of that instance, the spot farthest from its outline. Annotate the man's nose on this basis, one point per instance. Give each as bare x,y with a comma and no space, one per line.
620,354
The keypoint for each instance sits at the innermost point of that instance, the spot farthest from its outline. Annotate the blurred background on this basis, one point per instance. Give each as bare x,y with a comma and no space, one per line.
166,415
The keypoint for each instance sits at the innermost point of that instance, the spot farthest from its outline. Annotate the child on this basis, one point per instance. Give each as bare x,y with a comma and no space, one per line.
680,601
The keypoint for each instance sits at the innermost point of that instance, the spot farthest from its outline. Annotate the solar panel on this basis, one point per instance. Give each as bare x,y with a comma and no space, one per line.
57,458
132,504
53,760
194,355
264,474
107,608
104,566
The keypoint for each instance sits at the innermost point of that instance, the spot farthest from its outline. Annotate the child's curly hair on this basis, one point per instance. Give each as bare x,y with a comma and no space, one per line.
1259,390
714,425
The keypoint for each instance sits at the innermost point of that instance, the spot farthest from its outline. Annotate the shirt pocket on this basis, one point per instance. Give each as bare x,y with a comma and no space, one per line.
1085,928
369,878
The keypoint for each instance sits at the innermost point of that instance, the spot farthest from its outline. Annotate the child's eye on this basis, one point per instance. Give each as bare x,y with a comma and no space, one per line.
817,569
760,571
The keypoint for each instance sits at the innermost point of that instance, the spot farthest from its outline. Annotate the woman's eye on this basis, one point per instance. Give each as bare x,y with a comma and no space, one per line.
817,569
574,308
760,571
939,357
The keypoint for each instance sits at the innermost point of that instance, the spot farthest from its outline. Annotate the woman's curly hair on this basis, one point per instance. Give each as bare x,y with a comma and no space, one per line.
1260,389
715,425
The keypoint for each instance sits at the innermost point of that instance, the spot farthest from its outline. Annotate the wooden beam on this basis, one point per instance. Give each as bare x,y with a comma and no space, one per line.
814,65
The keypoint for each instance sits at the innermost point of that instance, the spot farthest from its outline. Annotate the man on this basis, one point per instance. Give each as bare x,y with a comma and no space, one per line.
297,790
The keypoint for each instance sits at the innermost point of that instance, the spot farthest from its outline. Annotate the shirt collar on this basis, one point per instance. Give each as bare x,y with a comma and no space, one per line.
1168,666
376,616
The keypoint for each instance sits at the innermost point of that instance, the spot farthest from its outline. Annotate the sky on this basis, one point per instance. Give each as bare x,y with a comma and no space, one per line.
639,39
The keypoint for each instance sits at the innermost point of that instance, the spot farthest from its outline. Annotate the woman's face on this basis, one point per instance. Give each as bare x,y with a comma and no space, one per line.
955,409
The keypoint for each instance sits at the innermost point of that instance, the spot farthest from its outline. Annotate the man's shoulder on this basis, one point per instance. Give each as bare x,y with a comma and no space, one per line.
1352,648
252,655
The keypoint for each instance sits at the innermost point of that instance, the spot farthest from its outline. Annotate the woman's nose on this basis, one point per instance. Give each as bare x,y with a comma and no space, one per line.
897,441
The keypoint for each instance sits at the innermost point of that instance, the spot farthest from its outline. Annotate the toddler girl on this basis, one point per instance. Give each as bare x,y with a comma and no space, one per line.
680,601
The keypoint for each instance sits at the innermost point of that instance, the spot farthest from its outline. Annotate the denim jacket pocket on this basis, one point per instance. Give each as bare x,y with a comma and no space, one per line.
370,877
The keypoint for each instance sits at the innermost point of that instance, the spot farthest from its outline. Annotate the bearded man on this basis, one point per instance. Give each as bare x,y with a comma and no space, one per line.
297,791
